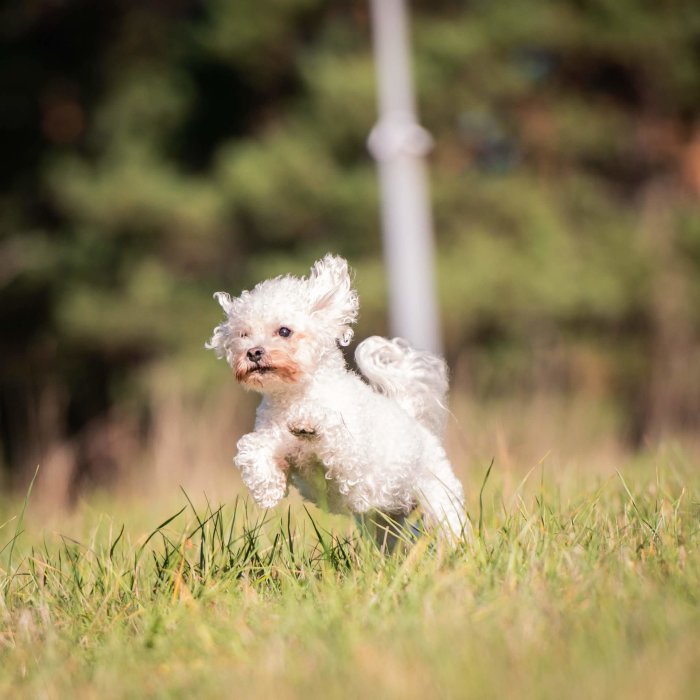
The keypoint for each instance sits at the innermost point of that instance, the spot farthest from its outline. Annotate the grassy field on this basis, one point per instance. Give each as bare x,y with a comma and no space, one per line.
573,586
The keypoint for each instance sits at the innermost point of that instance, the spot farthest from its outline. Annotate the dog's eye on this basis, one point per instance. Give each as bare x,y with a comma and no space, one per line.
284,332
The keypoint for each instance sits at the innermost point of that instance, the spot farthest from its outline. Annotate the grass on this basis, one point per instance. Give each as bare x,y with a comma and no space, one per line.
569,589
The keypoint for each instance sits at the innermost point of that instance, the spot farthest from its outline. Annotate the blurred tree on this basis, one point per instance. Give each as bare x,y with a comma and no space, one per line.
156,151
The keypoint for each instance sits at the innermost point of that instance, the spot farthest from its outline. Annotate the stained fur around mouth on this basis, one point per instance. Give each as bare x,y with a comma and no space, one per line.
261,369
276,364
249,370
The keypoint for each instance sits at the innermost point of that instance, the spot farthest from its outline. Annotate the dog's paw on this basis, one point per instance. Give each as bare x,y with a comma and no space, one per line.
303,429
308,422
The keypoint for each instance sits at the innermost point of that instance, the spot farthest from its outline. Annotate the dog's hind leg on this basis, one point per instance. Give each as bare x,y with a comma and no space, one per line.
441,496
386,530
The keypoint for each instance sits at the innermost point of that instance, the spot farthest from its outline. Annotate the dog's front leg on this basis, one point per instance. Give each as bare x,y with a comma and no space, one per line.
323,431
261,461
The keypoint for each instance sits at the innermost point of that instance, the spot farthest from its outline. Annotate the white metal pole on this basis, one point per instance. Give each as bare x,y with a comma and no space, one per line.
399,144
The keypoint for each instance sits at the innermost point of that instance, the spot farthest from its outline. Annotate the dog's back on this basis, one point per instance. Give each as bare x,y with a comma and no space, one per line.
415,379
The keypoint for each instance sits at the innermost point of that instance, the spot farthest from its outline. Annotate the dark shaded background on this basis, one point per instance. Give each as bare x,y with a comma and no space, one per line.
155,152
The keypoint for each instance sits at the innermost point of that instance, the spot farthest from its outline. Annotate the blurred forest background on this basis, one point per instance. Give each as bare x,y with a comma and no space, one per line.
154,152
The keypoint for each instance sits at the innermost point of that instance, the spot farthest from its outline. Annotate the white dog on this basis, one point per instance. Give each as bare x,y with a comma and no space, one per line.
378,445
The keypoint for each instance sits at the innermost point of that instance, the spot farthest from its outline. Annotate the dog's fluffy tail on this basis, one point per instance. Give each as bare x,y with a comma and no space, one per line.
415,379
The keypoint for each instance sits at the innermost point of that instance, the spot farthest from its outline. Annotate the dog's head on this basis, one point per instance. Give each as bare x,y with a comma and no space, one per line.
278,333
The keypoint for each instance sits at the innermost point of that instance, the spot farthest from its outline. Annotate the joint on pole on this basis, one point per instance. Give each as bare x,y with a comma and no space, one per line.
398,134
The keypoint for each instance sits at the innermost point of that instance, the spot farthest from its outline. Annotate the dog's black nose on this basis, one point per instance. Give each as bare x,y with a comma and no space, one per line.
255,354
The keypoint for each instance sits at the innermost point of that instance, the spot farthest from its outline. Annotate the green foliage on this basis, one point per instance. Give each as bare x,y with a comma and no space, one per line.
190,148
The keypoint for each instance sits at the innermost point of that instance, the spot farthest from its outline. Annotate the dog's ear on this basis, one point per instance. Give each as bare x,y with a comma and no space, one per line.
332,295
225,301
220,341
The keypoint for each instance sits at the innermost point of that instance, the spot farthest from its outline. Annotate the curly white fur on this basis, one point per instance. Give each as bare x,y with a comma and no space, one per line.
378,445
